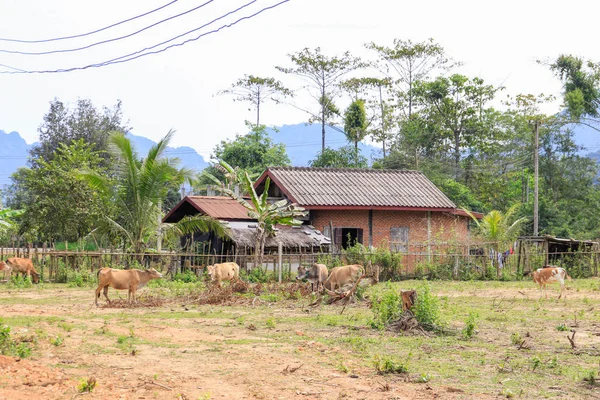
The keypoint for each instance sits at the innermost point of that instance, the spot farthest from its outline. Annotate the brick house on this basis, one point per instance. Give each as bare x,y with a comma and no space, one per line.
402,210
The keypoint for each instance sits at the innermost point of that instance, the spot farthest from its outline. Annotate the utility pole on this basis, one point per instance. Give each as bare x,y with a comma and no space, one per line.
535,188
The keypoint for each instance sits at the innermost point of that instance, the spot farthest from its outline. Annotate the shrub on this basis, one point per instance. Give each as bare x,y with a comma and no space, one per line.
386,306
469,329
427,308
187,277
9,347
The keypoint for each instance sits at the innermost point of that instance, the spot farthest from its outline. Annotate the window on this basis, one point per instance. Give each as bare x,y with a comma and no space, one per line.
347,237
399,239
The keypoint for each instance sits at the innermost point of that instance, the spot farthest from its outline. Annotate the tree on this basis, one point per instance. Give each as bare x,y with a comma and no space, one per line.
6,216
580,84
411,62
355,122
253,152
344,157
496,227
256,90
57,203
322,73
457,107
138,192
64,125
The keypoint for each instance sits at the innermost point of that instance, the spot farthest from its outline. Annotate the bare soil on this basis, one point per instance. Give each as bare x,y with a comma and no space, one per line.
175,351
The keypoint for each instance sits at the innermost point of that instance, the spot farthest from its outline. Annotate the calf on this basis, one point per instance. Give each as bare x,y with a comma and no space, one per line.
131,279
341,276
25,267
223,272
550,274
317,274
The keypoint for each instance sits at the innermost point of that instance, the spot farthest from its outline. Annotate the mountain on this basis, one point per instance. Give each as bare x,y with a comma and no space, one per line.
13,154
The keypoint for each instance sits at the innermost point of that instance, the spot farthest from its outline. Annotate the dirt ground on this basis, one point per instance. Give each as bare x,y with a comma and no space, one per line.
191,357
185,351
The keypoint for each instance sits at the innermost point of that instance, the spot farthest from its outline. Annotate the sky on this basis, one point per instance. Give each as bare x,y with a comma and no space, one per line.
176,89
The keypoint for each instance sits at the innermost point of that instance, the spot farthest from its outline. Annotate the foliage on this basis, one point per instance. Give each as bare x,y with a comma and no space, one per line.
469,329
344,157
253,153
63,125
186,277
387,365
580,83
10,347
6,216
427,308
86,385
355,122
59,205
386,306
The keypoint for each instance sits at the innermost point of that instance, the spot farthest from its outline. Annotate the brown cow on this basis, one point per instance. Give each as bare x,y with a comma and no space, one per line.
409,297
25,267
131,279
223,272
317,274
341,276
550,274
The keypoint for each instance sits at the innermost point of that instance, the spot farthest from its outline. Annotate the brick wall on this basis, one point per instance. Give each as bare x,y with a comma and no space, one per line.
444,227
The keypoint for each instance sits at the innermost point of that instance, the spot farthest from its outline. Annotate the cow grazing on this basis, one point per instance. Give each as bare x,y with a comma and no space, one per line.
409,297
223,272
131,279
341,276
6,268
317,274
550,274
25,267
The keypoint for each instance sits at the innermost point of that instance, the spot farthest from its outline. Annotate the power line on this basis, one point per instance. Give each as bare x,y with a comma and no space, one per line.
88,33
108,40
135,55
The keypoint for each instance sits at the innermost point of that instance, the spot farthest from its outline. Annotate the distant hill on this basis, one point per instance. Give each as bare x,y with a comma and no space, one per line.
303,143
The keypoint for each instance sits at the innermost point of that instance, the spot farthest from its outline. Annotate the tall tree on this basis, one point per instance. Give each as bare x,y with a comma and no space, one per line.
256,91
64,125
344,157
457,106
407,62
322,74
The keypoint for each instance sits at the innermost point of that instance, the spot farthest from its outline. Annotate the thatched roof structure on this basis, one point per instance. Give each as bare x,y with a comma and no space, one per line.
304,236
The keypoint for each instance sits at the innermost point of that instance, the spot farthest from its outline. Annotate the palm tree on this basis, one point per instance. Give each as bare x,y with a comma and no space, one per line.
496,228
138,190
267,215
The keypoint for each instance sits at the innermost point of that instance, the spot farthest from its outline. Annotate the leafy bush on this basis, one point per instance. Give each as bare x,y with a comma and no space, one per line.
80,279
386,306
256,275
20,282
9,347
427,308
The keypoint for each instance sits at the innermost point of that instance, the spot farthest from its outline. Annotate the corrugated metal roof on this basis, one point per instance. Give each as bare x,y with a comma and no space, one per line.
359,187
242,233
219,207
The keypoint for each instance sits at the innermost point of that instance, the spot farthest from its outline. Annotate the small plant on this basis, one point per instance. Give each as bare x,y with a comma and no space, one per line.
562,328
509,394
187,277
343,368
86,385
469,329
423,378
535,363
515,338
23,350
590,377
386,306
387,365
57,341
270,323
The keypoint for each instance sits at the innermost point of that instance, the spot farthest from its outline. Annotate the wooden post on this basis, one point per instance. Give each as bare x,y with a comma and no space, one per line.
280,260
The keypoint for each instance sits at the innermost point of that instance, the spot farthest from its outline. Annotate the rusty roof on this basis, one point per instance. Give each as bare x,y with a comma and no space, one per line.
218,207
357,188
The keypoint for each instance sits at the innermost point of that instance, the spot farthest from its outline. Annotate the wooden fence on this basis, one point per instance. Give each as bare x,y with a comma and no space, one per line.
452,263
